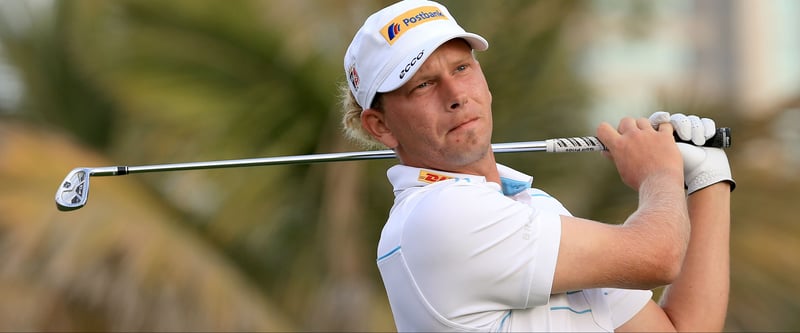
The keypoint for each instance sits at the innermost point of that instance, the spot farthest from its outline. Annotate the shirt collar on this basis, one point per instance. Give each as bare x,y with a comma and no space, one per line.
404,177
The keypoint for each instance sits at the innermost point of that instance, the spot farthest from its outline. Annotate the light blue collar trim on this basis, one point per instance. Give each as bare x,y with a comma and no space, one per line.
513,181
403,177
512,186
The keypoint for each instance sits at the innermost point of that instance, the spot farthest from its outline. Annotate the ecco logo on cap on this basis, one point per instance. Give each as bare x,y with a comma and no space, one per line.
408,20
411,63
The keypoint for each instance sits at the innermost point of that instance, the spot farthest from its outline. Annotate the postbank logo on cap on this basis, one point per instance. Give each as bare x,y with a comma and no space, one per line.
408,20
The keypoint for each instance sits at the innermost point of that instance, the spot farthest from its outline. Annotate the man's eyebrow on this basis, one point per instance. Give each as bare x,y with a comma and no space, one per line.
423,75
469,57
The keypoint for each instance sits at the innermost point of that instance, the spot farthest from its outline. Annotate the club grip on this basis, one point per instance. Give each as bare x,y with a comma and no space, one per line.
722,139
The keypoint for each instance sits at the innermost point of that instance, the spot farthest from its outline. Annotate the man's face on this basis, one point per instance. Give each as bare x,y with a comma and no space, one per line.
442,118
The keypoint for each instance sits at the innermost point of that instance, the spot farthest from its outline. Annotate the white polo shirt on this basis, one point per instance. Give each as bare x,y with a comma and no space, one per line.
459,253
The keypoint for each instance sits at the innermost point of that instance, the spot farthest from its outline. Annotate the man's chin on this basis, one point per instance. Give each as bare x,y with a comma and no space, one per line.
464,157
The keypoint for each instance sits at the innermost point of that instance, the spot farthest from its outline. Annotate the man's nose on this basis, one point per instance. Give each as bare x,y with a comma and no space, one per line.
456,94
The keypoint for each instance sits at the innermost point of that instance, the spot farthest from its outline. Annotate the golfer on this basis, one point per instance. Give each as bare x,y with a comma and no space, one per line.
469,245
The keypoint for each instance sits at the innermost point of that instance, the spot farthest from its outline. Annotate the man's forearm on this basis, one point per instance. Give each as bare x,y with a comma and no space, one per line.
698,299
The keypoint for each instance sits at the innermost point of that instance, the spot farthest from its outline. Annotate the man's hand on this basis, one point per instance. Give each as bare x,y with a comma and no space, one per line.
702,166
641,152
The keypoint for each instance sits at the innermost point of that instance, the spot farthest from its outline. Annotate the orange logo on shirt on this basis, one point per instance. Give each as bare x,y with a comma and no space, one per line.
430,177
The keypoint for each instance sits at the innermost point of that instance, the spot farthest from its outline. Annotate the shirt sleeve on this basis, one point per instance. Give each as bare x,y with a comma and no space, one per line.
472,249
625,303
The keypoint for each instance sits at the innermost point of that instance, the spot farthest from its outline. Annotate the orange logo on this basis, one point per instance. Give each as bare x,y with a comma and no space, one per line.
430,177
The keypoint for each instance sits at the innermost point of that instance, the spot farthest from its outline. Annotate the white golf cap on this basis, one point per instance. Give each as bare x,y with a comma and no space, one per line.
394,42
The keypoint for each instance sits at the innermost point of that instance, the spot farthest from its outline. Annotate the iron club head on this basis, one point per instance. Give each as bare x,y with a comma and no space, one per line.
73,192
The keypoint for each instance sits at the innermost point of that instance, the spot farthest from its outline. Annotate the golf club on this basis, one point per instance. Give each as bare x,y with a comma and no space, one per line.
73,192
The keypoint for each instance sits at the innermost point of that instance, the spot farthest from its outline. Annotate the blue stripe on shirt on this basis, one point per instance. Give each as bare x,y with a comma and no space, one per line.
570,309
389,253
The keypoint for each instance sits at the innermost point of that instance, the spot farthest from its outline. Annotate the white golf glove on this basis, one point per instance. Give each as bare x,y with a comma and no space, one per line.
702,166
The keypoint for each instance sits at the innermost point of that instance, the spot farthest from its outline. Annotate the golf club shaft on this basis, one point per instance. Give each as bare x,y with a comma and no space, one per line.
722,139
73,192
529,146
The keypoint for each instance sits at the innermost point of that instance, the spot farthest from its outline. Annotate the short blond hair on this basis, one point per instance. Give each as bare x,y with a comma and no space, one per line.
351,118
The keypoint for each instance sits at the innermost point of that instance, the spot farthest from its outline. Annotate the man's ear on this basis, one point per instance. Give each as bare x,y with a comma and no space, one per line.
374,122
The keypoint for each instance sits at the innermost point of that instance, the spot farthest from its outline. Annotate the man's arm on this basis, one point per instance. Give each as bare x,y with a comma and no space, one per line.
648,249
698,298
668,240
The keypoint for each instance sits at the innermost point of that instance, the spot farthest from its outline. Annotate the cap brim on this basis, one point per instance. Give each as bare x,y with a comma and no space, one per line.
394,81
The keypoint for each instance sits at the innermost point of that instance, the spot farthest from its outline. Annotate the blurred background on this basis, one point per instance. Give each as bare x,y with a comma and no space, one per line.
289,248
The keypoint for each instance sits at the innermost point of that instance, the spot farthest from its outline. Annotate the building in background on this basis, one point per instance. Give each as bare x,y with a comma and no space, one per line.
743,51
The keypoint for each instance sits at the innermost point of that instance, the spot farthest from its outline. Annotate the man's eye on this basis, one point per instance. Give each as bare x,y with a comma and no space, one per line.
461,68
423,84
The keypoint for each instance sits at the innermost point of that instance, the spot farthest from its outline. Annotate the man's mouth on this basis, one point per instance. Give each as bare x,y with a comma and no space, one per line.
465,124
